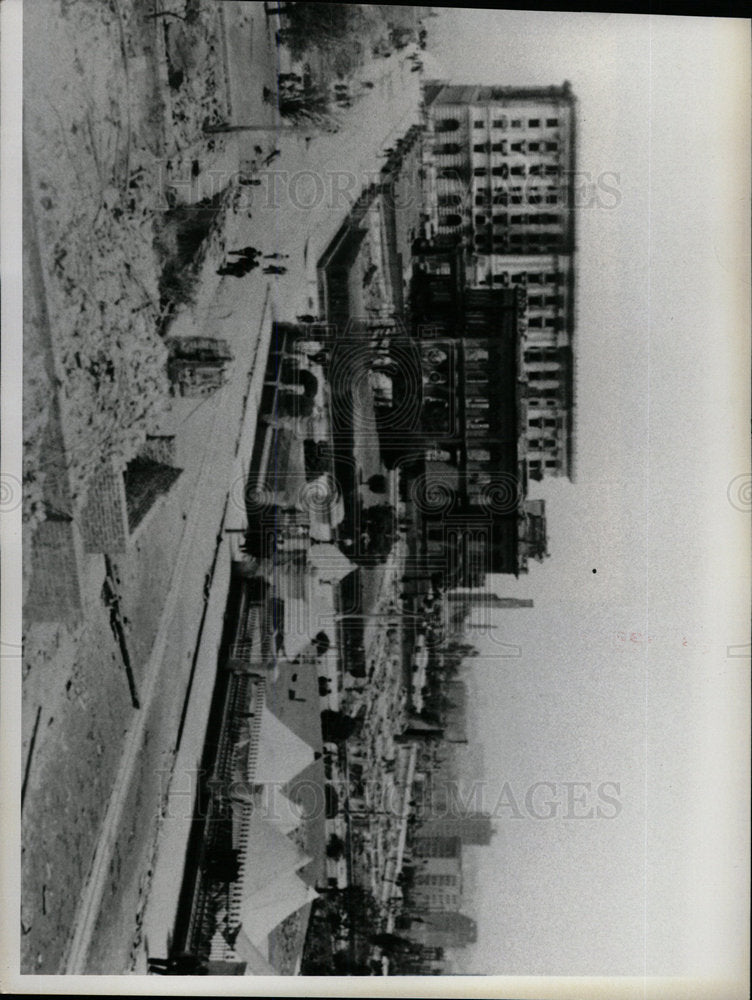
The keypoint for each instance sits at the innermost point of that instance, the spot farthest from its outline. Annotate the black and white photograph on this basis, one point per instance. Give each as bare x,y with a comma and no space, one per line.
380,530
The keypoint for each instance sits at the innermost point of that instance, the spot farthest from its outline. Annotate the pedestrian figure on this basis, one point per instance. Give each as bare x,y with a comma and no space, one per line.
274,269
237,268
247,264
250,252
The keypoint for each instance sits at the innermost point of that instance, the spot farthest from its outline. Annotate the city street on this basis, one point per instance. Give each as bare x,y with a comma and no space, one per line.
162,582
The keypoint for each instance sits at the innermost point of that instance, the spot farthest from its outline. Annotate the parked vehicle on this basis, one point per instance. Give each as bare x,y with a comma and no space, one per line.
197,365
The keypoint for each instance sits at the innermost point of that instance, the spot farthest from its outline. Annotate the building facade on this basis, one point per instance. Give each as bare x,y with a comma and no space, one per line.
473,828
502,161
445,930
472,492
485,599
437,885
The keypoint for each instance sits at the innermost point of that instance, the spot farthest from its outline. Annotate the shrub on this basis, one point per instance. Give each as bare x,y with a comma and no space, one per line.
180,239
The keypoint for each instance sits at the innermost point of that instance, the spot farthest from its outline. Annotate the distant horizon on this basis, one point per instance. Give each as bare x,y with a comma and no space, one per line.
596,681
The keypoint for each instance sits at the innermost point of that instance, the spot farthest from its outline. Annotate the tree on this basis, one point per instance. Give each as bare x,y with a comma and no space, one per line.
379,522
336,727
318,25
377,483
358,908
317,457
335,847
322,642
391,943
344,965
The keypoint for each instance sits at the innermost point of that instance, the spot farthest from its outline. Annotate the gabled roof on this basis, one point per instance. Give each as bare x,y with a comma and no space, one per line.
282,754
262,911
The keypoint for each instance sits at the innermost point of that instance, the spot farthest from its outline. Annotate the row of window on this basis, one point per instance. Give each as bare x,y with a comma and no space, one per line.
435,847
541,422
441,902
519,170
537,278
541,354
533,197
432,879
545,443
503,218
501,247
535,464
517,123
476,354
517,236
545,398
509,189
544,301
519,242
522,146
535,219
545,323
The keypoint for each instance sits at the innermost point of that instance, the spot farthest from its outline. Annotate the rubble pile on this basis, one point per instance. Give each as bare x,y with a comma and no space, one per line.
96,143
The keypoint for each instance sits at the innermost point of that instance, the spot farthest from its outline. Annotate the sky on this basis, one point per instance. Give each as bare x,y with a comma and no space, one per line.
623,673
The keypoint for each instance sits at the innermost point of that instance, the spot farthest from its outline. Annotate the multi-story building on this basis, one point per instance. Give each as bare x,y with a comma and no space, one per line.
484,599
437,846
472,828
437,885
502,161
473,489
445,930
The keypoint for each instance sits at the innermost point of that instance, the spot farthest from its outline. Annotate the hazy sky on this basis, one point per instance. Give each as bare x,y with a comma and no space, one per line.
662,405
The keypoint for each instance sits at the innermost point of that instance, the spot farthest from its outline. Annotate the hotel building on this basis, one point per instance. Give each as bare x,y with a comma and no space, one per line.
502,165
